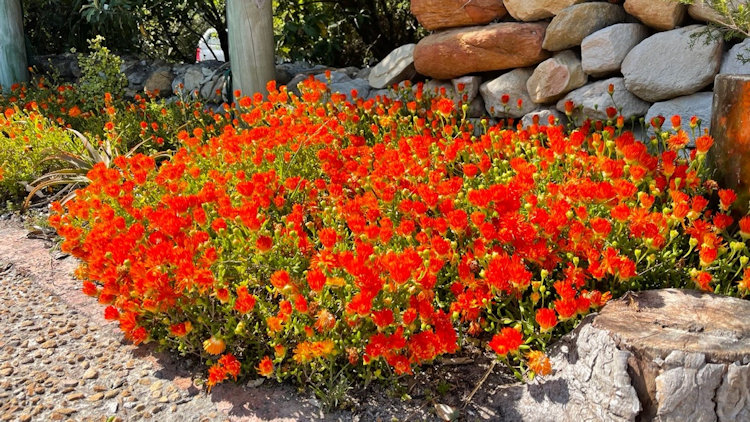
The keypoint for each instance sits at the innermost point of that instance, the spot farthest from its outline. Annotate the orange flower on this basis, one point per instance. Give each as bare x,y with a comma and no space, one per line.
726,198
265,367
745,227
539,363
181,329
703,144
214,346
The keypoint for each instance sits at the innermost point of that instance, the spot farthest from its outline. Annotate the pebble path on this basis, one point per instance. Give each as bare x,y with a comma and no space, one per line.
58,365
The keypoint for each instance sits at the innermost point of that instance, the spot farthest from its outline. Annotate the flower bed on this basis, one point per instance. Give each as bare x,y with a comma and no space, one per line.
317,239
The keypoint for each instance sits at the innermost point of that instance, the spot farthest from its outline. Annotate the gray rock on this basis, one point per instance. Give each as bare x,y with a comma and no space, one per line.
698,105
732,63
672,63
336,77
435,87
470,87
382,93
214,90
555,77
595,99
603,51
512,84
476,108
364,73
193,79
544,115
574,23
394,68
283,76
346,87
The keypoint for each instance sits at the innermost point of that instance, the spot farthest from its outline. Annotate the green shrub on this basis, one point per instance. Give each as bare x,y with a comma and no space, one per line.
100,72
26,138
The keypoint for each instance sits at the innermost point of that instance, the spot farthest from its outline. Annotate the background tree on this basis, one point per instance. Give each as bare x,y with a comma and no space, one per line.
251,44
12,46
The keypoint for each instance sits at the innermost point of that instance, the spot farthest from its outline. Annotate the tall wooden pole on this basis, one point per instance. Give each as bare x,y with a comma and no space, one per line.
13,64
251,46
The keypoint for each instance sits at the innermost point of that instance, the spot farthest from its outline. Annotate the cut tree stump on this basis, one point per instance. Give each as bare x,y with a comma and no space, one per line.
662,355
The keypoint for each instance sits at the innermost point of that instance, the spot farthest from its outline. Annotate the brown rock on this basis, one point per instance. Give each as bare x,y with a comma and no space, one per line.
457,52
437,14
658,14
555,77
533,10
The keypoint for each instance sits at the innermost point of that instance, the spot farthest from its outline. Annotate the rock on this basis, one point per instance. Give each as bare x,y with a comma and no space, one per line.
731,63
569,27
336,77
533,10
456,52
544,117
595,99
394,68
698,105
49,344
363,73
512,84
438,14
160,82
671,64
90,374
658,14
467,87
603,51
213,90
283,76
360,85
476,108
555,77
672,335
435,88
699,10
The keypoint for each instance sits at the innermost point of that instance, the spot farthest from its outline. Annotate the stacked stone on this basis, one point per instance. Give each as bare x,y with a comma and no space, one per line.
539,54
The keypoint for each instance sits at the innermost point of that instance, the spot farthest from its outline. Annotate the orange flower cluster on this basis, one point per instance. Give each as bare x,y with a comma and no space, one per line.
372,233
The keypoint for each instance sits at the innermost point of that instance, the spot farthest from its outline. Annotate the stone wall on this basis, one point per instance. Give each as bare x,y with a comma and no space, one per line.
546,52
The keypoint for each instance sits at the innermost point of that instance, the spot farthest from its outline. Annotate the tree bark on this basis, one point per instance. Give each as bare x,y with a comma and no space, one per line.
13,63
730,128
251,46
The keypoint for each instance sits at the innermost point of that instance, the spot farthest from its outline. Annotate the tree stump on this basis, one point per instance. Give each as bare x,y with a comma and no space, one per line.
662,355
730,128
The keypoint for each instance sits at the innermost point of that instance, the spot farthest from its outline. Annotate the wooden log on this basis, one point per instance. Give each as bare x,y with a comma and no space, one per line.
251,45
13,64
730,128
662,355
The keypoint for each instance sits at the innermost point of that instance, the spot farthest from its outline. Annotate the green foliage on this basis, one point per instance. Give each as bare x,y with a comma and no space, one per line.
100,72
26,137
164,29
733,16
349,32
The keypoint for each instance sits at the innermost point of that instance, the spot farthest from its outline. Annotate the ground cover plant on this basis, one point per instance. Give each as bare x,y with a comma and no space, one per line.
331,242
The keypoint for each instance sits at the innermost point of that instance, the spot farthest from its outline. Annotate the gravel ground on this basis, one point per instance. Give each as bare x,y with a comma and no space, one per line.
60,360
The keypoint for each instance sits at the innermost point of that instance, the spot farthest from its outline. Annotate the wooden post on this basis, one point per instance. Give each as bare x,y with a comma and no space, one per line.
730,128
13,65
251,45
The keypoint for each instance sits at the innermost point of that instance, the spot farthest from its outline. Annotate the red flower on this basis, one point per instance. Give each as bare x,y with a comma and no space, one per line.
566,308
245,301
280,279
383,318
726,198
316,279
546,318
328,237
264,243
507,341
111,313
